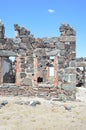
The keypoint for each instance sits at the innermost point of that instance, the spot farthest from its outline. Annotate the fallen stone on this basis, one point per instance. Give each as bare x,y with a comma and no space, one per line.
67,107
34,103
4,102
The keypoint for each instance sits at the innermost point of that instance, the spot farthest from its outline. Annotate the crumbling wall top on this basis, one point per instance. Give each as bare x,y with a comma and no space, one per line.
2,30
66,30
1,22
20,31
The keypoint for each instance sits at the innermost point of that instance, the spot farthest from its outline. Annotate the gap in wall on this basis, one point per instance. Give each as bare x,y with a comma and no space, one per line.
8,68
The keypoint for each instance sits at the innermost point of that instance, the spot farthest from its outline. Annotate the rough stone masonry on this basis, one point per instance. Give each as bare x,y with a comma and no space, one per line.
44,67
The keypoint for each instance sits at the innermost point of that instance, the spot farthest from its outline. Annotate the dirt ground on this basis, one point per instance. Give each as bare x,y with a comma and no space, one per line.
49,115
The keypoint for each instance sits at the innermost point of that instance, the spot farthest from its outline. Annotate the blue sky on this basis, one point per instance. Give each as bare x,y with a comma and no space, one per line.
43,18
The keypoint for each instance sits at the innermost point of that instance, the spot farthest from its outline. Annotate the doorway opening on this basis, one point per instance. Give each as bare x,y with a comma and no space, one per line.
8,69
51,69
80,77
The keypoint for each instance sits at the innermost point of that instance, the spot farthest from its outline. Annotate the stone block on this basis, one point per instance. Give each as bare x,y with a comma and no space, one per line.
72,63
2,41
66,78
23,46
16,40
25,39
26,82
62,52
15,47
61,60
69,87
23,65
29,70
22,70
7,53
72,55
22,75
67,38
8,45
22,60
67,47
61,66
72,78
73,46
29,39
22,52
60,77
1,46
60,46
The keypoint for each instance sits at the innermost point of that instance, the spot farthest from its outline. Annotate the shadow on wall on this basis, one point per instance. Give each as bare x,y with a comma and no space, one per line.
39,79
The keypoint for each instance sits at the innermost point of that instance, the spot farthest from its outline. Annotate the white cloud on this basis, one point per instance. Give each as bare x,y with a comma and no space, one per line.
51,10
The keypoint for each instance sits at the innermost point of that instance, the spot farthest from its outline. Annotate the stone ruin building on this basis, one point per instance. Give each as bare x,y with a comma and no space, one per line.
44,67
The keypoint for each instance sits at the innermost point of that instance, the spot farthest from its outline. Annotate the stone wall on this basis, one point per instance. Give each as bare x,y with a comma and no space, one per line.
33,61
65,47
